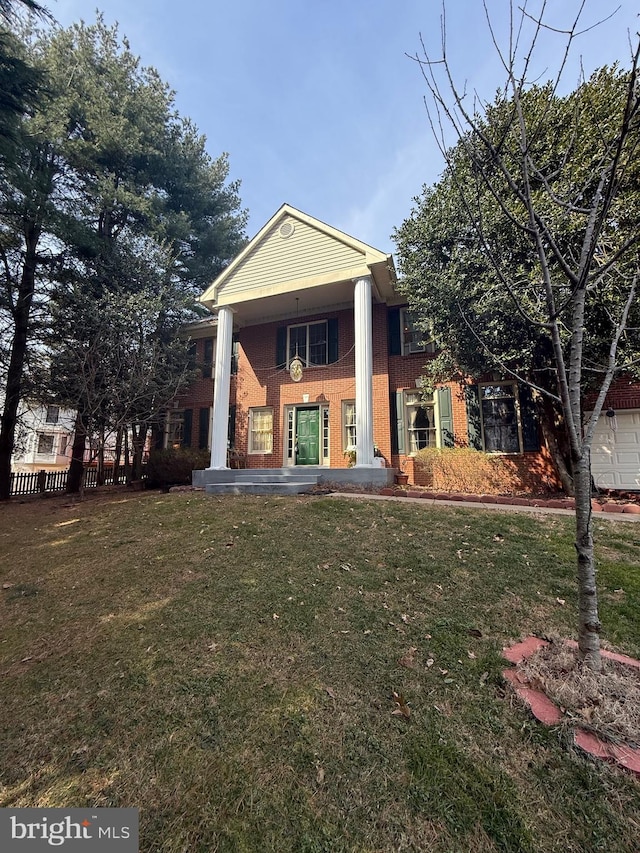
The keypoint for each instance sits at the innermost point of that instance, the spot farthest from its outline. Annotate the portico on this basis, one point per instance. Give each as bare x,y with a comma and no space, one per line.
307,292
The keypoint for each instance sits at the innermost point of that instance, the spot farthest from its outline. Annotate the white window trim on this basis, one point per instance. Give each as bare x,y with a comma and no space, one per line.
291,411
346,447
516,398
55,420
252,412
305,360
51,454
405,419
428,347
173,438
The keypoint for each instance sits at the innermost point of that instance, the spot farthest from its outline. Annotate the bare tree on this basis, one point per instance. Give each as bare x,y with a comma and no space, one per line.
566,281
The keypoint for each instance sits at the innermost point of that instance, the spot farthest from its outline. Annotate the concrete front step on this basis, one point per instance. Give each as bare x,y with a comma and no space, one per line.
278,476
263,487
301,479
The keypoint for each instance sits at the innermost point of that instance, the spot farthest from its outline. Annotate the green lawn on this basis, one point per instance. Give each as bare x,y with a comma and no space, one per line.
228,666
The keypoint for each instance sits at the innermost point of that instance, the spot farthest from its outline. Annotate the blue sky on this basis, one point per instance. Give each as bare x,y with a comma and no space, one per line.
316,102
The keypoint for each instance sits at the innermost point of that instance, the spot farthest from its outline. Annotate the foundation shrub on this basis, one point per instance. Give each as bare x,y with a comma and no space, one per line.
462,469
174,467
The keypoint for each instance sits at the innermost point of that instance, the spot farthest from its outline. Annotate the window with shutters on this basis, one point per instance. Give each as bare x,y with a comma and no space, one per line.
414,340
420,419
261,430
308,341
174,435
500,418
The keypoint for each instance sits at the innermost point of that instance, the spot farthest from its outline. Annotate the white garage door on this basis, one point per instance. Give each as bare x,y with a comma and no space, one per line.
615,454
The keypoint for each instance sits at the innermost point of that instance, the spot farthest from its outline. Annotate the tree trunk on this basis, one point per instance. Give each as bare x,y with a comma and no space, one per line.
76,468
21,315
100,460
589,623
551,441
127,458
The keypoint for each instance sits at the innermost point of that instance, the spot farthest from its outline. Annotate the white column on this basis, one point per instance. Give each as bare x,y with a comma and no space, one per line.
364,372
222,381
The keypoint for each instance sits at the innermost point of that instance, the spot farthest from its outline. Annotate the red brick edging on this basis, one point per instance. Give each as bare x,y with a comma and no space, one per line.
507,500
548,713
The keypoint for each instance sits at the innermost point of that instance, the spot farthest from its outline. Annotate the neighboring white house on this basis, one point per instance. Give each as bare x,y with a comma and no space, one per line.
44,438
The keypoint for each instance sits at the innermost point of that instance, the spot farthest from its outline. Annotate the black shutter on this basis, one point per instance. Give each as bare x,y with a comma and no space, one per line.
187,425
474,426
192,354
207,367
529,419
396,406
281,347
445,415
332,340
395,338
203,429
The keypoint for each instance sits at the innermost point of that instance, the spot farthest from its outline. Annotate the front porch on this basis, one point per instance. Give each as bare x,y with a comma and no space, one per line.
288,481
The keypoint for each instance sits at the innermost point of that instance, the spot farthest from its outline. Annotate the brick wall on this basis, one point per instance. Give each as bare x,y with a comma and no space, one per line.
623,394
259,383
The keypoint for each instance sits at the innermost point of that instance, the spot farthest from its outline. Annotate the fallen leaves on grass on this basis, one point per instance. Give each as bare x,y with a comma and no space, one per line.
409,658
402,709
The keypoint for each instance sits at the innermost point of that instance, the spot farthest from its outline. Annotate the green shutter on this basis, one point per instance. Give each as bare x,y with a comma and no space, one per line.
529,418
332,340
188,423
395,338
396,406
281,347
474,427
207,366
203,429
445,415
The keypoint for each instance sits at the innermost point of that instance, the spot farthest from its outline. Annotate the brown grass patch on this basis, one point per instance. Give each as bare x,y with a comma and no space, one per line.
607,703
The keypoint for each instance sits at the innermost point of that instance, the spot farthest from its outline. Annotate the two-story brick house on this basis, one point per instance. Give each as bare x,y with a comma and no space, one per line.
316,366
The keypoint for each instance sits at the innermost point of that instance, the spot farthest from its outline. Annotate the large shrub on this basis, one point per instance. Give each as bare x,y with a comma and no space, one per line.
462,469
174,467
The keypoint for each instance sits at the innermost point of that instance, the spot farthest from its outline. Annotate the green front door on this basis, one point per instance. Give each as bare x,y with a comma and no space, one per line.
308,436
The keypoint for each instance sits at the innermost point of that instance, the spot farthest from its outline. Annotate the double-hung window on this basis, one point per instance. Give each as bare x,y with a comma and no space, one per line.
309,341
421,422
348,425
53,414
414,340
500,416
261,430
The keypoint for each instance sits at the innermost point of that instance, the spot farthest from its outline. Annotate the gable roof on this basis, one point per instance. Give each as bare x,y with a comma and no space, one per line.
295,251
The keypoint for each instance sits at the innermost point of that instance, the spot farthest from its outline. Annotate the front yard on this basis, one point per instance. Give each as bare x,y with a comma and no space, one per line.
230,667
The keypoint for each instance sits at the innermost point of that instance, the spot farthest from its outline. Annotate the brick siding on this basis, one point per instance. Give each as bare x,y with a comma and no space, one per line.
259,383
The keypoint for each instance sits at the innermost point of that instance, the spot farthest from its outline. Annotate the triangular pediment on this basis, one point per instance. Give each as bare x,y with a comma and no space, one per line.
292,251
